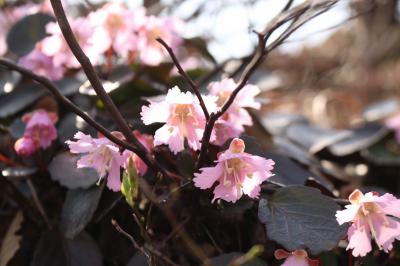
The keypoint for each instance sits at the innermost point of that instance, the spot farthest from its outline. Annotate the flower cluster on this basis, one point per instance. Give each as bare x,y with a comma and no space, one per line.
370,215
39,132
236,172
112,29
105,157
184,119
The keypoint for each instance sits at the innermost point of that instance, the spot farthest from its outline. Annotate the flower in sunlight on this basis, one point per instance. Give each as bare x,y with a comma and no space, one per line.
183,118
232,123
236,172
100,154
370,218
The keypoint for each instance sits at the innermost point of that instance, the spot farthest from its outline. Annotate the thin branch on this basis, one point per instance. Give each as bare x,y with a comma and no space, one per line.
38,203
258,57
70,105
98,86
188,79
144,250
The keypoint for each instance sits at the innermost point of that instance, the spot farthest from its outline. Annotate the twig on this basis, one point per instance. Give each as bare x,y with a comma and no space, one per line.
38,203
144,250
188,79
98,86
258,56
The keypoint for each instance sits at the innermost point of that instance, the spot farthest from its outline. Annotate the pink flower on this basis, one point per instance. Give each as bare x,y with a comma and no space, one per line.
369,216
394,124
100,154
183,118
236,172
40,127
41,64
168,29
115,27
25,146
232,123
55,46
147,142
298,257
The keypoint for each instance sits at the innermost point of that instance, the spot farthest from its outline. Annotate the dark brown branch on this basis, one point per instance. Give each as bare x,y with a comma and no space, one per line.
71,106
98,87
260,53
188,79
64,100
144,250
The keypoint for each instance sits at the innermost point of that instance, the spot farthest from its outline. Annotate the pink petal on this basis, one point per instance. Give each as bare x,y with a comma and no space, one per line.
207,177
359,240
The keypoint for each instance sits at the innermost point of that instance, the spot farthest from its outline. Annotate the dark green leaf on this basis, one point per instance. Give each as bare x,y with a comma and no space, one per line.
359,138
384,153
53,249
8,80
301,217
63,169
19,99
78,209
24,35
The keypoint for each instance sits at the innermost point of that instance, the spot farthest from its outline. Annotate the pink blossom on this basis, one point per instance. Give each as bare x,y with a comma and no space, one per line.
232,123
25,146
298,257
168,29
394,124
369,216
100,154
115,27
236,172
41,64
147,142
183,118
40,127
56,47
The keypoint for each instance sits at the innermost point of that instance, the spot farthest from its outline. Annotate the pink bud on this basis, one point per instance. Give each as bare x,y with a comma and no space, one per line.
25,146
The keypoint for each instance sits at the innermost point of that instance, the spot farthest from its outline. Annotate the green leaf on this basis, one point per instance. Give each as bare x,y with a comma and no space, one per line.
78,209
301,217
130,186
24,35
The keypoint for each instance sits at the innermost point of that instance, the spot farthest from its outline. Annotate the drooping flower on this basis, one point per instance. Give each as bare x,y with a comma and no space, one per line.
298,257
236,172
369,216
25,146
42,64
40,127
232,123
394,124
100,154
115,27
147,142
56,47
183,118
168,29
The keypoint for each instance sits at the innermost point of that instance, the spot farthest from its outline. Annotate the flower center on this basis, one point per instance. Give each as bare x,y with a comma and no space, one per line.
114,22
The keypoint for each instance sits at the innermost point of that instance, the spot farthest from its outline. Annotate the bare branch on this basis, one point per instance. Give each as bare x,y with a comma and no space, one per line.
312,9
192,84
98,86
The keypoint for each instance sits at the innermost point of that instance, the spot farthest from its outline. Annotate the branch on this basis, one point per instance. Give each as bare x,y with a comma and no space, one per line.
98,87
192,84
140,248
260,53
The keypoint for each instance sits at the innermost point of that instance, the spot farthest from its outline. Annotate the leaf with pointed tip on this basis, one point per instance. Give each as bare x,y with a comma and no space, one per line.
299,217
24,35
78,209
